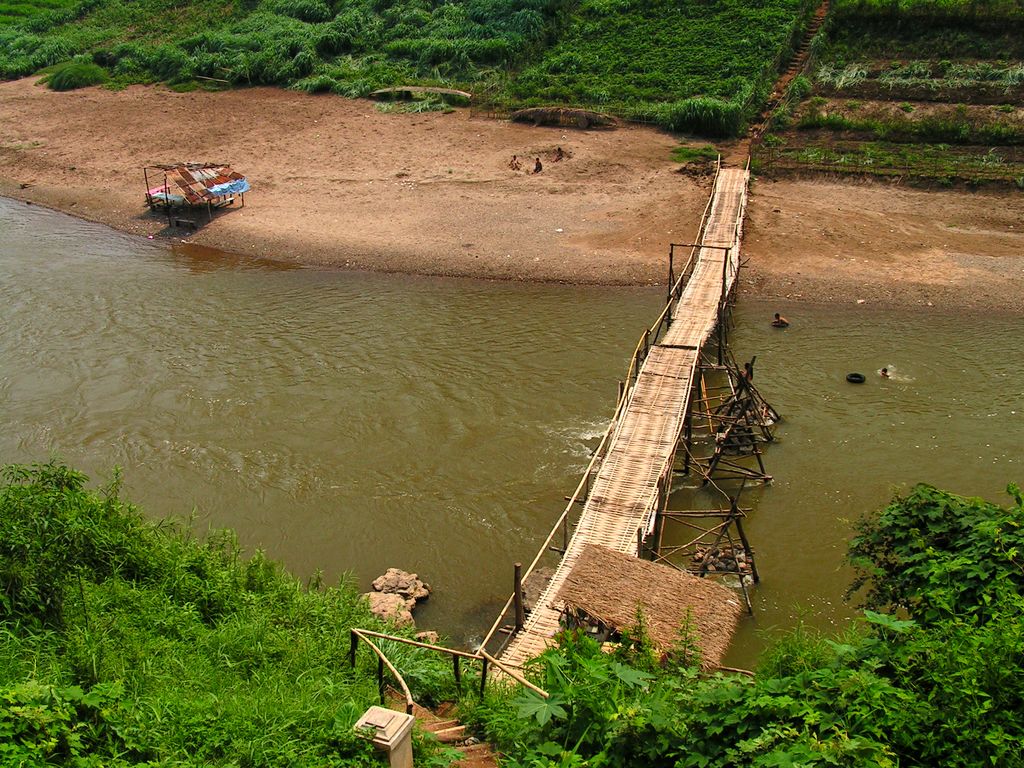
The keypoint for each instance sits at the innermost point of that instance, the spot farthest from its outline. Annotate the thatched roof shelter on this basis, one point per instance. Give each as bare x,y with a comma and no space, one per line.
192,184
608,586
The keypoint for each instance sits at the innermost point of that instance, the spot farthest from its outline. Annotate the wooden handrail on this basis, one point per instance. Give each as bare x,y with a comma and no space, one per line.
417,643
384,660
482,656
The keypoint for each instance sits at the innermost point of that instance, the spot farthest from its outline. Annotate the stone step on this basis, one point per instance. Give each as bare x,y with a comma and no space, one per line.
450,735
439,725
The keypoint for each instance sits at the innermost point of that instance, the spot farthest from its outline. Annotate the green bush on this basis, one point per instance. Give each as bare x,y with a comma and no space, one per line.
941,689
124,641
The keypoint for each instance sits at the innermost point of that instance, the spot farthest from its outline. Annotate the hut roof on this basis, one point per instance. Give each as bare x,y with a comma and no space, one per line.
610,585
197,183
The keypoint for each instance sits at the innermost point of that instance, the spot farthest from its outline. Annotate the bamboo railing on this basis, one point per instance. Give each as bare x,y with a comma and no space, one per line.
485,659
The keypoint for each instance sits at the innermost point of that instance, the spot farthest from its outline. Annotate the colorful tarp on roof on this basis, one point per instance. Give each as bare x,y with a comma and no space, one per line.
195,183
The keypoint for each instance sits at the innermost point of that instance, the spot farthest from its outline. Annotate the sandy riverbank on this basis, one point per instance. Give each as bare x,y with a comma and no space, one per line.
338,183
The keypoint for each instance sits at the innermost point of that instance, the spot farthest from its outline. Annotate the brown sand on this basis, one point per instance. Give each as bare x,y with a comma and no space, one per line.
875,243
338,183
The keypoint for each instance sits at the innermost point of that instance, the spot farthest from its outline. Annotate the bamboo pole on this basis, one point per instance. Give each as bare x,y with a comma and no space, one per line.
520,608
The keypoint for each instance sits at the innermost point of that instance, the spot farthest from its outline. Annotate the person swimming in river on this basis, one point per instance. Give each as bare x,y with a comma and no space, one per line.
780,321
537,167
884,373
559,154
514,163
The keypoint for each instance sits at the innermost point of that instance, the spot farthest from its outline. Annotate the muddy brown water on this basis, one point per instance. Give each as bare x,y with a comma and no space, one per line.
352,422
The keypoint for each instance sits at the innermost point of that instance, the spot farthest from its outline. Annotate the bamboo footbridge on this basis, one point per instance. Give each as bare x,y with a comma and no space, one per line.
629,479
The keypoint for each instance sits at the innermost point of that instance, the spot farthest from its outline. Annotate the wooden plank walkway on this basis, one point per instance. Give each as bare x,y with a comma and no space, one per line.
638,464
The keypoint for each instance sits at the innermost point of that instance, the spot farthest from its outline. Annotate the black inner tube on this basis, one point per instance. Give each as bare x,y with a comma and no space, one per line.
855,378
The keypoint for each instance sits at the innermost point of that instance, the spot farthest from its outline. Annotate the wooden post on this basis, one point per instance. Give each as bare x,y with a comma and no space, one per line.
671,273
483,677
746,548
622,391
458,672
167,201
647,341
520,608
380,679
353,642
640,542
689,437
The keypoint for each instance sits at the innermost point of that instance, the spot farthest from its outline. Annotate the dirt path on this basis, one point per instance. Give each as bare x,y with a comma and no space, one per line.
339,184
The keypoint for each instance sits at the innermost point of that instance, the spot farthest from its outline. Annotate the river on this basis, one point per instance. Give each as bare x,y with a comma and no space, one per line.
347,422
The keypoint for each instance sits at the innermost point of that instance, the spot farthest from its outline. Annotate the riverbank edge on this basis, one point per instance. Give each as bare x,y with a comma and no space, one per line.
755,283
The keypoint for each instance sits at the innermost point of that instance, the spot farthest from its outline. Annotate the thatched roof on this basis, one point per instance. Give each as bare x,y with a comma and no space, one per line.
609,585
193,183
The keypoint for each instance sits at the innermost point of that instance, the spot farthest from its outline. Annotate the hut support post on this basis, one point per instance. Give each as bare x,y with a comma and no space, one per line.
671,272
483,677
167,201
520,608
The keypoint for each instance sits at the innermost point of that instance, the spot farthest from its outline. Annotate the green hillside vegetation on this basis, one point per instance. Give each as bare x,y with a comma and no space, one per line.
937,683
15,12
124,642
925,89
682,64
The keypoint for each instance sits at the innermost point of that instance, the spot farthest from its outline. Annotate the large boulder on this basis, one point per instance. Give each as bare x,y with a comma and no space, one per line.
391,607
398,582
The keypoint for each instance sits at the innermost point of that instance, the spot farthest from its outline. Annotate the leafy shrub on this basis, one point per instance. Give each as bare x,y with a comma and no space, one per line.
943,689
938,555
313,11
129,642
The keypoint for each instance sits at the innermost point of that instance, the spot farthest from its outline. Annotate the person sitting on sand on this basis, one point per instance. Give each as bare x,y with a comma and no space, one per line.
559,154
514,163
780,321
537,167
884,373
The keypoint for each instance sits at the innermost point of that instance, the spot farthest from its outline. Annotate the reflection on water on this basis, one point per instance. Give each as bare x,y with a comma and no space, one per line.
355,422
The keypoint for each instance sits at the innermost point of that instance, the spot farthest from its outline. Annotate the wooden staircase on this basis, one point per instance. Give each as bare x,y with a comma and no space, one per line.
449,731
796,66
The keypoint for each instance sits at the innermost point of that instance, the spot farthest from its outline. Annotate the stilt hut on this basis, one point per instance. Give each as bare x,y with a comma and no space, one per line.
605,589
193,185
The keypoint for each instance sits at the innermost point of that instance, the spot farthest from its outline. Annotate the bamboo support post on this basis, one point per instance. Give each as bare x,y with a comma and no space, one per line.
520,608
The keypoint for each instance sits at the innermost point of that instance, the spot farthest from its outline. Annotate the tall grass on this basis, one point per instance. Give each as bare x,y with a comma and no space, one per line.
686,67
124,641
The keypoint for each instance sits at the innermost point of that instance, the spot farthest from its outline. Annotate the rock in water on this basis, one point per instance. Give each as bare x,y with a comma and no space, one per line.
428,636
398,582
391,607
